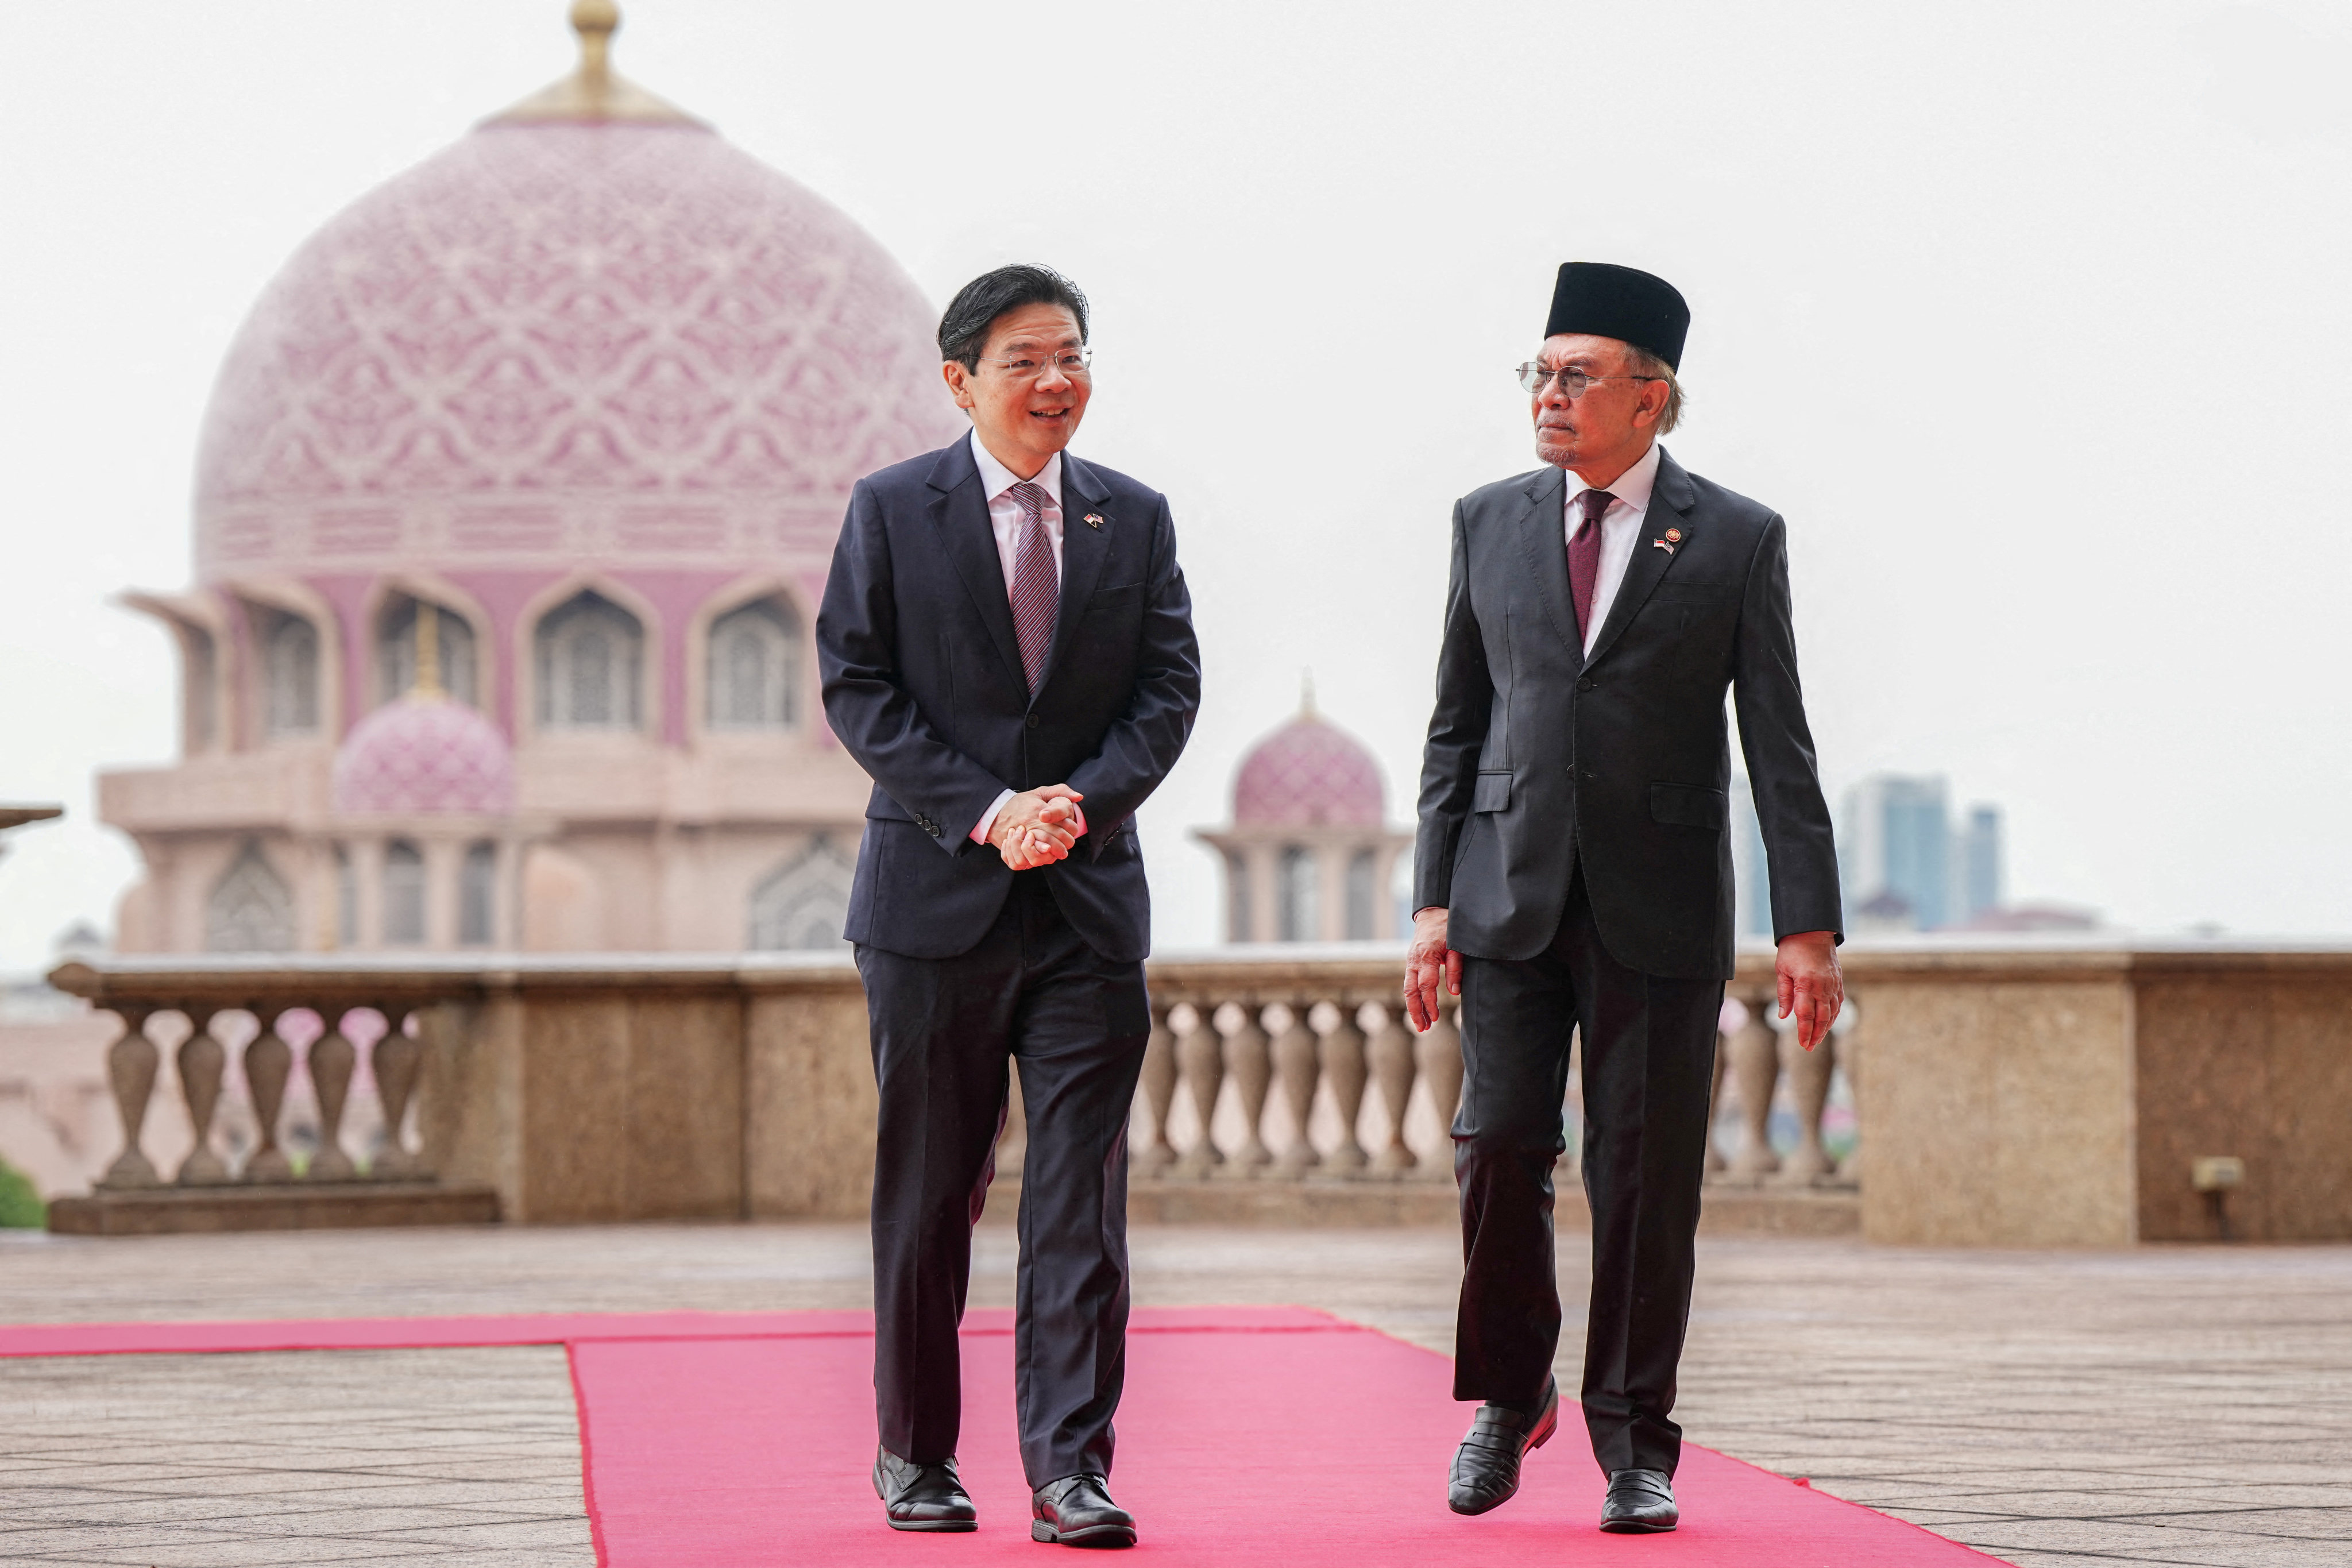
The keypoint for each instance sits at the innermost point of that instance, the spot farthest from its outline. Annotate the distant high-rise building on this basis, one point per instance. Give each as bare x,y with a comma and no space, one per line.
1751,878
1979,862
1897,845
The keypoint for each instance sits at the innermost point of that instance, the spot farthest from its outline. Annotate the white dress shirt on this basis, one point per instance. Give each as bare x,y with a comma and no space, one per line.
1006,518
1620,529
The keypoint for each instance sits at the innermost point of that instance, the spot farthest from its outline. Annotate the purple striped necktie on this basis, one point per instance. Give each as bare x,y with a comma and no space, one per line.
1584,558
1036,584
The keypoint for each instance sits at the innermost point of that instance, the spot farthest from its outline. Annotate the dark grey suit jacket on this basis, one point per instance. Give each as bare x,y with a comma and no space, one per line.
1538,758
923,684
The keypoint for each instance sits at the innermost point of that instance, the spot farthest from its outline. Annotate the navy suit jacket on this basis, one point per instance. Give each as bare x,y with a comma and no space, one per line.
1540,759
923,684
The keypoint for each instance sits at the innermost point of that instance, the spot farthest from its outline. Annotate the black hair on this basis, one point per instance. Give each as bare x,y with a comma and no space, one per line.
963,330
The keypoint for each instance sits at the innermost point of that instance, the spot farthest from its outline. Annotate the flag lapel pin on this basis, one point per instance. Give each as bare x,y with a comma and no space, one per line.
1661,544
1093,519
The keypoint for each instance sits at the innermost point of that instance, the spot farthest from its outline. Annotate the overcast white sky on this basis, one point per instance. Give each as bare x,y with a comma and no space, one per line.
2032,320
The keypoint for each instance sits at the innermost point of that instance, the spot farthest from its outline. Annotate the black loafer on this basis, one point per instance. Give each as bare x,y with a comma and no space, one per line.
921,1497
1639,1502
1076,1510
1487,1466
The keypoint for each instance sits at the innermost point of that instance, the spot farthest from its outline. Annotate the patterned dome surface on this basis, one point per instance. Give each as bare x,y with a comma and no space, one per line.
1308,773
639,317
422,755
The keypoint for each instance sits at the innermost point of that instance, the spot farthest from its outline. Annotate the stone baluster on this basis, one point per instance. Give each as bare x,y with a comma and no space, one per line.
1756,1071
1249,1065
131,1066
1847,1034
1200,1056
332,1058
1808,1072
268,1062
398,1059
201,1063
1298,1067
1439,1051
1391,1049
1343,1069
1159,1088
1730,1022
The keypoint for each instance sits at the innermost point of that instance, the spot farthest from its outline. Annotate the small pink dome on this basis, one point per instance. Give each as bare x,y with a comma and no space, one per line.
1308,773
425,755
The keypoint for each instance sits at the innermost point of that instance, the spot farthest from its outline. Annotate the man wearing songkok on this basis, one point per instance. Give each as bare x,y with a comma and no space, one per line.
1573,871
1007,647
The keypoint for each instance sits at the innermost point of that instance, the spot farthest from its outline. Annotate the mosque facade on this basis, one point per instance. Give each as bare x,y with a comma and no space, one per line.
514,502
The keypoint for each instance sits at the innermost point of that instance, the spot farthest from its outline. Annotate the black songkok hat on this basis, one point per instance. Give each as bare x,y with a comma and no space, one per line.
1620,302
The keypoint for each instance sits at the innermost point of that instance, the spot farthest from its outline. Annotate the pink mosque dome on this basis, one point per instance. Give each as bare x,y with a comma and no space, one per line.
1308,773
601,335
425,756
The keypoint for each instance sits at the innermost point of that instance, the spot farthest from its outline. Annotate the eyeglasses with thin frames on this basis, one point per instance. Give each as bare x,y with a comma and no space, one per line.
1075,363
1573,381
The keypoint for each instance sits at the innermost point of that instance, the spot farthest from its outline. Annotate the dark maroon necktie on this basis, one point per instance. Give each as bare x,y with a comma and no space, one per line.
1036,584
1584,558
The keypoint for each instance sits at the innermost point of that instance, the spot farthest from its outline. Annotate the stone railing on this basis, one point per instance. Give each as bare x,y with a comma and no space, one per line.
594,1087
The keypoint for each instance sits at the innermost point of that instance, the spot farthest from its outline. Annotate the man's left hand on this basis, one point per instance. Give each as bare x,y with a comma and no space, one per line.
1811,985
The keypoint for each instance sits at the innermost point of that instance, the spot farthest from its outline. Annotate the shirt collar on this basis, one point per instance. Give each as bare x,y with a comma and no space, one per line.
996,478
1632,487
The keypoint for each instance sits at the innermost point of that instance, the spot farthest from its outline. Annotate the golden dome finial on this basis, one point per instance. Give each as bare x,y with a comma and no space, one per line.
594,93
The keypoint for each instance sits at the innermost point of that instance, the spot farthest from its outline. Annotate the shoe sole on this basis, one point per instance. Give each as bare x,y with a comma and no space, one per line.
932,1526
1535,1439
1632,1527
1098,1535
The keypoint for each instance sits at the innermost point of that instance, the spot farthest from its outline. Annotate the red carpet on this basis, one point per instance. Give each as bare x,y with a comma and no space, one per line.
741,1439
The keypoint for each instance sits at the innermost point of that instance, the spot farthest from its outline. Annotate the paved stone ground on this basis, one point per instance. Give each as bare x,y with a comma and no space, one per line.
2163,1406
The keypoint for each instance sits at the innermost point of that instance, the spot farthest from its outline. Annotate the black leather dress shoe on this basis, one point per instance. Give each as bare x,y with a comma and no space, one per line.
921,1497
1487,1466
1639,1502
1076,1510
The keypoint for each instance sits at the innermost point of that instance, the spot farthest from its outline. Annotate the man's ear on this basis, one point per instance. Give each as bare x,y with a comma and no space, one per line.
959,381
1653,406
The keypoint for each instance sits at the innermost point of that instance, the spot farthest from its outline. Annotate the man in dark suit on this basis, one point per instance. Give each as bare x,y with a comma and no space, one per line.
1573,869
1007,647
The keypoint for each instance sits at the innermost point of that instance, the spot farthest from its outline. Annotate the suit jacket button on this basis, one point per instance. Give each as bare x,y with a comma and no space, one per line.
1033,720
1585,684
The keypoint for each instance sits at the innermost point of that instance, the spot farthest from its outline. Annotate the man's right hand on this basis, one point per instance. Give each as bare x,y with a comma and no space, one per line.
1429,963
1037,826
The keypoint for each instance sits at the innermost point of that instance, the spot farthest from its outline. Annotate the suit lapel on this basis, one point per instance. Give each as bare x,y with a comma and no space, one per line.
960,514
1084,547
1543,539
1669,498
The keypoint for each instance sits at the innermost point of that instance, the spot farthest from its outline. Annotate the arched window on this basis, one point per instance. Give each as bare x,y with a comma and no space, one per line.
395,652
1363,898
1237,898
591,666
347,899
289,675
755,667
803,903
404,894
251,909
1297,895
477,885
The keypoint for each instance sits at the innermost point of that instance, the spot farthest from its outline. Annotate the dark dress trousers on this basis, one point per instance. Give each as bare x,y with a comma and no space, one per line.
969,965
1574,821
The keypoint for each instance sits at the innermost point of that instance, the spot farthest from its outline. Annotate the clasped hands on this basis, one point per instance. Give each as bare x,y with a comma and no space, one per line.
1038,827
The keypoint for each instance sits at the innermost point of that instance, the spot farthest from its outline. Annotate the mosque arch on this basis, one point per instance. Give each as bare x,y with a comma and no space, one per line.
477,886
289,658
459,645
1364,896
404,894
1297,885
251,909
589,665
802,905
755,666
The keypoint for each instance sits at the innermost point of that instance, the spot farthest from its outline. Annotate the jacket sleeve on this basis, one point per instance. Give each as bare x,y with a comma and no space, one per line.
877,722
1798,849
1143,744
1457,731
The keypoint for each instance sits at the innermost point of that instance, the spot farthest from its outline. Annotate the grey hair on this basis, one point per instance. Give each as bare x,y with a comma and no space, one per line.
1642,362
